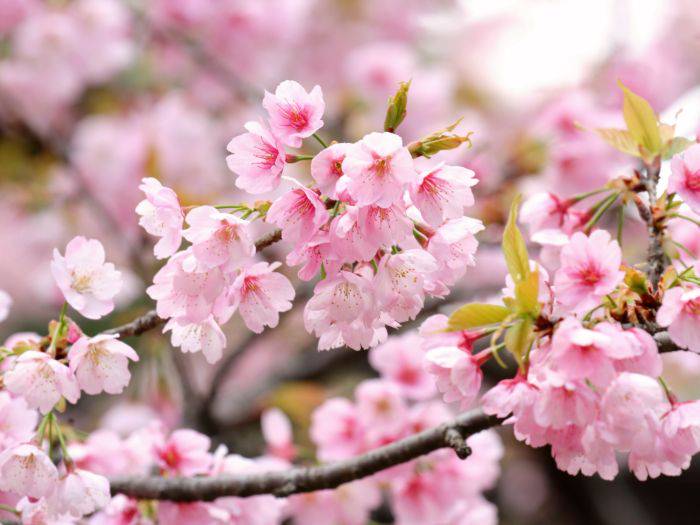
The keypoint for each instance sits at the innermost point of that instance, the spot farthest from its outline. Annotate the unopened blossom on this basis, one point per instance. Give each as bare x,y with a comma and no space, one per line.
41,381
590,269
400,360
343,310
5,304
184,453
453,245
27,470
161,215
336,430
327,168
258,158
400,282
299,213
17,420
277,432
457,374
680,312
205,336
379,168
294,113
260,294
217,237
189,291
88,283
381,409
80,493
685,176
101,363
442,193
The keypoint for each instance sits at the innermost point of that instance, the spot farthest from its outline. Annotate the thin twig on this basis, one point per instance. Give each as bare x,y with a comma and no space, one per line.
305,479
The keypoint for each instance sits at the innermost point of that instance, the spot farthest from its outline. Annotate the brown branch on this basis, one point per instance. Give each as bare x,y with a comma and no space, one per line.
656,257
150,319
664,343
307,479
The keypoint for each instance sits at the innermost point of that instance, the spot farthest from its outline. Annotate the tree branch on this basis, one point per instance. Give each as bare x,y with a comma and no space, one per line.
655,254
307,479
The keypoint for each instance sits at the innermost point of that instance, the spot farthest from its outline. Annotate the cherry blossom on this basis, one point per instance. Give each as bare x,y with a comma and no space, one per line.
443,192
80,493
381,410
400,360
205,336
161,215
457,374
260,294
685,176
88,283
294,113
335,430
184,452
257,158
680,312
299,213
5,304
41,381
327,168
277,431
378,168
101,363
27,470
590,269
217,237
349,504
17,420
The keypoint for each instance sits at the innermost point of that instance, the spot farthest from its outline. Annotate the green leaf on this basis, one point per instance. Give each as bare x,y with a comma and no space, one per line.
473,315
526,294
518,338
514,249
641,121
620,139
675,146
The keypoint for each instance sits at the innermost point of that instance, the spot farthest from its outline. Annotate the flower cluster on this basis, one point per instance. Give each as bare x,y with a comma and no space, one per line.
382,233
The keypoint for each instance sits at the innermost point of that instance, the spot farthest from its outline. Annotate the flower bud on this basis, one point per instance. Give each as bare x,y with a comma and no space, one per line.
396,110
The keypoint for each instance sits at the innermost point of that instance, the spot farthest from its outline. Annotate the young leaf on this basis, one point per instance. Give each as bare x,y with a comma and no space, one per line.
620,139
514,249
675,146
641,121
473,315
526,294
518,338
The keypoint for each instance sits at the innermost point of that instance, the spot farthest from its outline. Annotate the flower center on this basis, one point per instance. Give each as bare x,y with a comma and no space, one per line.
81,282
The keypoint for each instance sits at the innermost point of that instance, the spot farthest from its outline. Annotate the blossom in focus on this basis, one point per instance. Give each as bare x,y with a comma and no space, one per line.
161,215
685,176
41,381
680,312
327,168
299,213
443,192
27,470
590,269
205,336
294,113
378,169
101,363
88,283
257,158
457,374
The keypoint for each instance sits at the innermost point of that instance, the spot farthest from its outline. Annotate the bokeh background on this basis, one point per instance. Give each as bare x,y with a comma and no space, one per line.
97,94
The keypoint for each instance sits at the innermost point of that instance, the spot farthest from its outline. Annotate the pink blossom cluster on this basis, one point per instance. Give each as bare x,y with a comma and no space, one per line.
381,233
199,288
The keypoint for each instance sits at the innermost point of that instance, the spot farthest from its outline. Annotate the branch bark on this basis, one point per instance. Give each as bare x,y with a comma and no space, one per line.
308,479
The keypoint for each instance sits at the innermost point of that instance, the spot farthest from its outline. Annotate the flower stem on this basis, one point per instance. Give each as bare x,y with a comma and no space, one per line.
10,509
320,140
57,330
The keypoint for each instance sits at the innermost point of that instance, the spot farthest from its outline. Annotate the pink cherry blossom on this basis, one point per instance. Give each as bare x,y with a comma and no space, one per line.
185,290
198,513
509,396
312,254
88,283
17,420
217,237
277,431
161,215
184,453
443,192
457,374
546,213
101,363
27,470
573,403
453,245
384,226
260,294
680,312
378,168
299,213
400,282
205,336
119,511
79,493
344,311
381,410
590,269
400,361
350,239
41,381
685,176
349,504
336,431
258,158
294,113
327,168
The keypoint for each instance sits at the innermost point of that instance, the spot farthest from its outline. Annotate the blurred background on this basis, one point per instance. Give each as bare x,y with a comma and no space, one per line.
97,94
